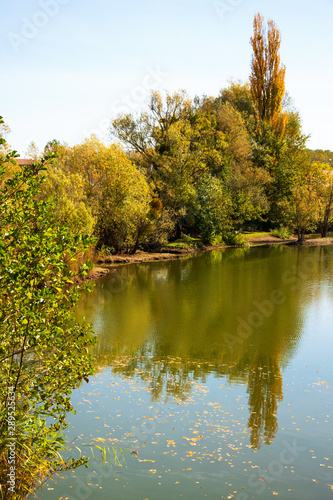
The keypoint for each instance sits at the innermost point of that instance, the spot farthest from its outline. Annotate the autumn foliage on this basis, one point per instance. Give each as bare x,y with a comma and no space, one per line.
267,77
204,167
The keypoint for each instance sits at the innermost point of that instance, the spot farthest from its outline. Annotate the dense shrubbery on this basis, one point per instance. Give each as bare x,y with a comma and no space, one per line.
43,350
281,232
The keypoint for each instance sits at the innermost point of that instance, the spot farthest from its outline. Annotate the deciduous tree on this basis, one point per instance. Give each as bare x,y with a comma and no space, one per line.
302,209
123,202
267,79
322,179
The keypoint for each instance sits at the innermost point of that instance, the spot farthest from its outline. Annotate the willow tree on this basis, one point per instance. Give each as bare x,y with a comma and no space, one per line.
267,79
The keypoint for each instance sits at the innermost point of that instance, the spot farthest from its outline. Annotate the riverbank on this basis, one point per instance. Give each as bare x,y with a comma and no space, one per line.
104,263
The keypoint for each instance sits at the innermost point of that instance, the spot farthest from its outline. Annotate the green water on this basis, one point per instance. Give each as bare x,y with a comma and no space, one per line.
217,371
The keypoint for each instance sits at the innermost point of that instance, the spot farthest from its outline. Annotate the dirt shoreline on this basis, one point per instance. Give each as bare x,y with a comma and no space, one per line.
112,261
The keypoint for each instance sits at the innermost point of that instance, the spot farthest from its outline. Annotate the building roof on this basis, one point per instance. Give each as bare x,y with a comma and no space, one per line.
24,161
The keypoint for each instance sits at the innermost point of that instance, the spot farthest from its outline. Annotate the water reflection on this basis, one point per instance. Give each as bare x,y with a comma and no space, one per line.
236,314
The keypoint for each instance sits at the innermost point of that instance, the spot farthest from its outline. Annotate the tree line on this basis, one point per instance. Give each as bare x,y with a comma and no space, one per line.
204,167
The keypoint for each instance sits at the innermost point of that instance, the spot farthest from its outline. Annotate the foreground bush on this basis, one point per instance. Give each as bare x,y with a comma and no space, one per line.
43,350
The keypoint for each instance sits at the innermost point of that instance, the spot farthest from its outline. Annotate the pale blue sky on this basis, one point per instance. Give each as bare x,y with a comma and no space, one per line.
68,66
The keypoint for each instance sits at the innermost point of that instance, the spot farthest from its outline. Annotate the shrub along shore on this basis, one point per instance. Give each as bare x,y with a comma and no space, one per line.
105,263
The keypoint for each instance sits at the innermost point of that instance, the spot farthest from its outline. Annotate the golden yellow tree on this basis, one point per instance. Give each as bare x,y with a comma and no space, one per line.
267,79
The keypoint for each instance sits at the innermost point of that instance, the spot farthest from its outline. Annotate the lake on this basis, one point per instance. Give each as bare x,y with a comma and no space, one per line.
213,380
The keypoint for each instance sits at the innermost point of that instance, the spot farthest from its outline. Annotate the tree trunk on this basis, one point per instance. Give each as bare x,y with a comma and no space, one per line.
323,230
179,230
300,235
134,248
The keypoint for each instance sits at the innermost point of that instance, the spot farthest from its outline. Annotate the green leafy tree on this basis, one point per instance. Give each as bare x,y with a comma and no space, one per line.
249,202
43,350
302,210
212,209
289,161
231,122
321,156
239,96
53,147
322,178
176,143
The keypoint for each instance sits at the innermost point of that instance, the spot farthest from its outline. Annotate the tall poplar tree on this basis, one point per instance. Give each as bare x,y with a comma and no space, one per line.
267,79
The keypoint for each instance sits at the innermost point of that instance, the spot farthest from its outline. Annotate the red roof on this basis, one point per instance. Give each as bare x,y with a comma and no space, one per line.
24,161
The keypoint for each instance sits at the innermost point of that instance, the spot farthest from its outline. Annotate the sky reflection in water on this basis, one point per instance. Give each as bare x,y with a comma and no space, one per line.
217,371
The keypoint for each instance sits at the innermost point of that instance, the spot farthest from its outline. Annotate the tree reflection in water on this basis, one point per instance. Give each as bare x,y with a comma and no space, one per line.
175,323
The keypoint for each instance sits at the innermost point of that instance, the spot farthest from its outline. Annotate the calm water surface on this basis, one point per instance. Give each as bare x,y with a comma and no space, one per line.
217,372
